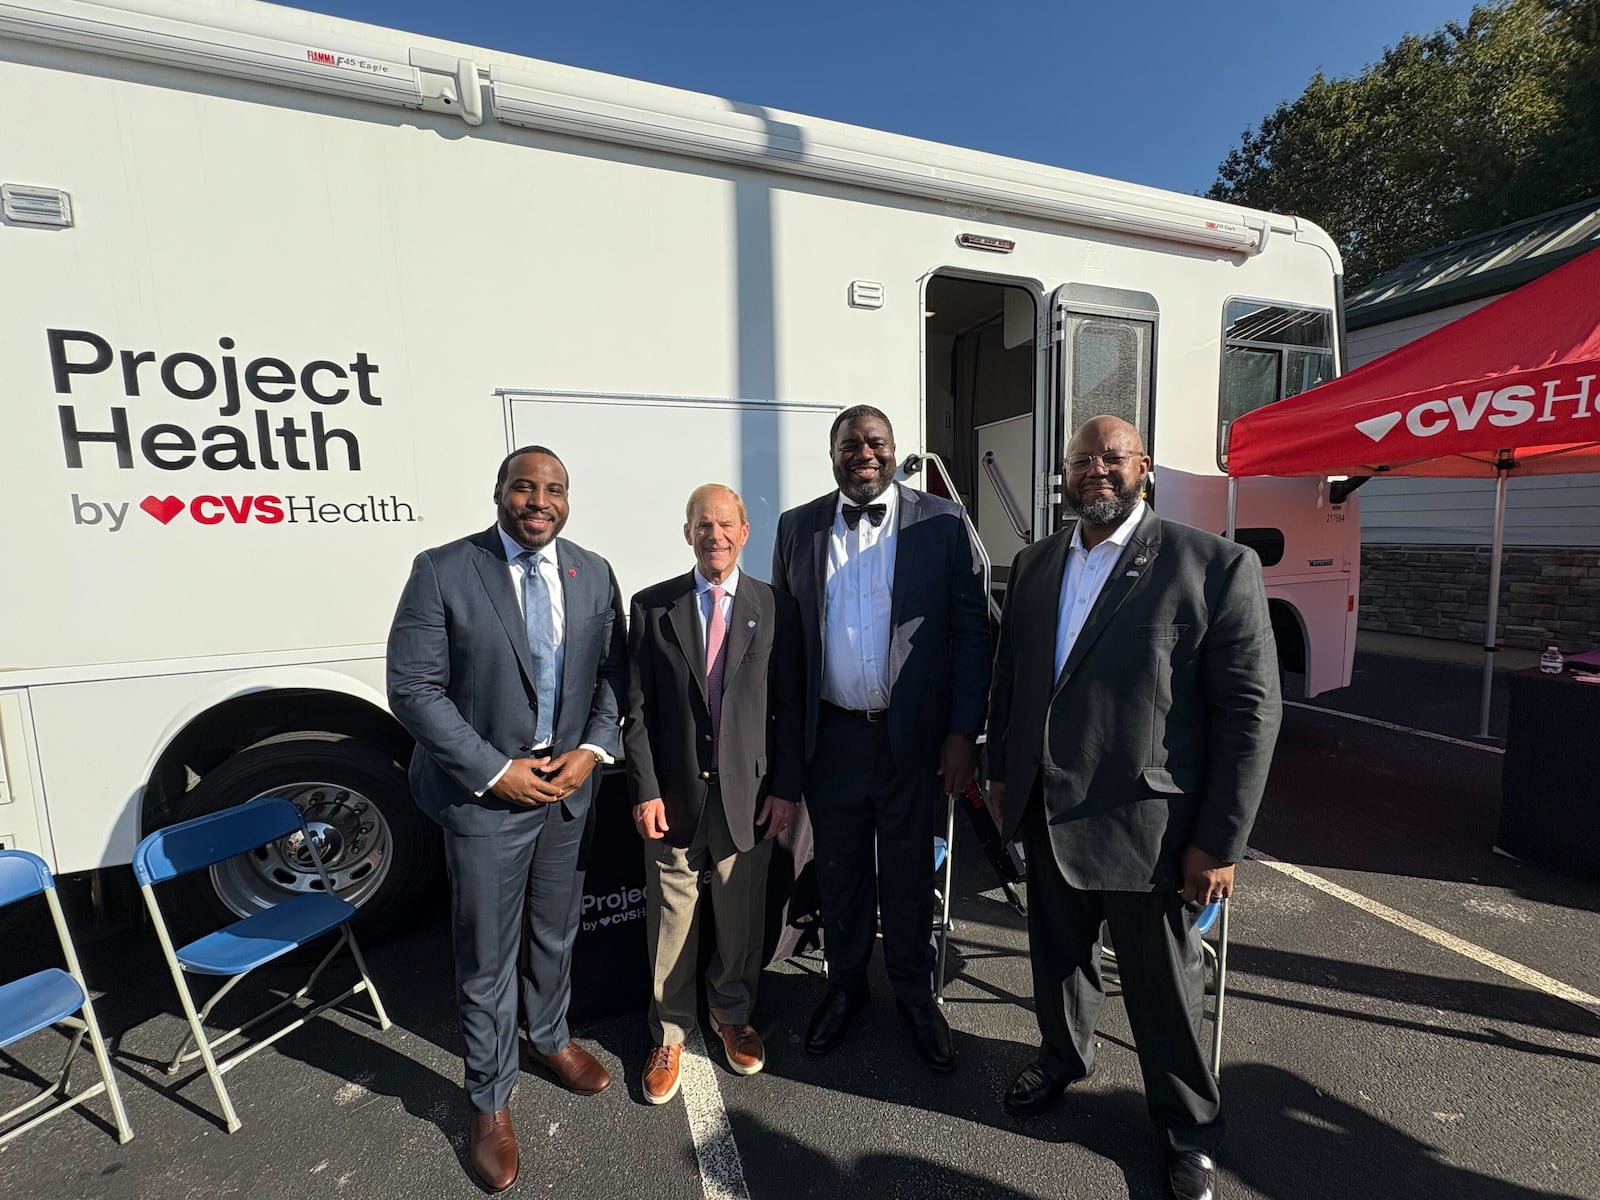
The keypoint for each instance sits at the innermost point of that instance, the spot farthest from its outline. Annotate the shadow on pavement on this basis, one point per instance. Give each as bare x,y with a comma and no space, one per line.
1289,1141
1508,1002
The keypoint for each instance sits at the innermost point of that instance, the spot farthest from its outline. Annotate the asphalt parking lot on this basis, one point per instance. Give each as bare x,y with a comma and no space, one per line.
1396,1028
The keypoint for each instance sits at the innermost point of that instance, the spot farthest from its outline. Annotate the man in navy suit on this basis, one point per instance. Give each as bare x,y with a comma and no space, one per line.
507,664
897,655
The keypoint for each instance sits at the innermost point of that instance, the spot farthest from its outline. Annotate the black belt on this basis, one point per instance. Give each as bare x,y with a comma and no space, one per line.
872,716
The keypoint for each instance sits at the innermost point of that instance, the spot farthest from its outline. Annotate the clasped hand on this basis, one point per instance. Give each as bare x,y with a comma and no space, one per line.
534,781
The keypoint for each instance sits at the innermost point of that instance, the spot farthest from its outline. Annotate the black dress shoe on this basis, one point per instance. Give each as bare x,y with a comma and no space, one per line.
832,1018
931,1033
1191,1175
1039,1089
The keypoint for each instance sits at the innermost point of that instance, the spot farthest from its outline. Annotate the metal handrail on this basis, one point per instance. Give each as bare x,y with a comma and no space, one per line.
912,465
1006,502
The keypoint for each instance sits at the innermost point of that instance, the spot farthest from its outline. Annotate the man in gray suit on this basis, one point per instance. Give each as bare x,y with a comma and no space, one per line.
897,670
1132,722
507,664
713,741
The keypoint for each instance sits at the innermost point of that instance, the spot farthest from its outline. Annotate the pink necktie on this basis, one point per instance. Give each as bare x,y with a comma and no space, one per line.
716,632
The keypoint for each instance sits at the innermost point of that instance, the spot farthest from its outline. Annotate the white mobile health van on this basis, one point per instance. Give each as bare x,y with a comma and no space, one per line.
279,291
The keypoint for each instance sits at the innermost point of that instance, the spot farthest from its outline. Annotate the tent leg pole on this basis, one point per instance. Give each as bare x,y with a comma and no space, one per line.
1233,506
1490,641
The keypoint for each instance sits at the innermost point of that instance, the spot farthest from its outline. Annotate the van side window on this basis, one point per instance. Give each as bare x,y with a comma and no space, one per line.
1269,352
1110,361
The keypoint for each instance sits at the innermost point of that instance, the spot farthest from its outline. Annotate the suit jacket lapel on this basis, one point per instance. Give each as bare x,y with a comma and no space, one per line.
684,621
574,586
1132,565
1043,651
742,621
821,527
906,543
496,575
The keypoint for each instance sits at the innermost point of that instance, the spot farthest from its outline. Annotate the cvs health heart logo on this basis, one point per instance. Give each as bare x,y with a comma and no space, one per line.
162,508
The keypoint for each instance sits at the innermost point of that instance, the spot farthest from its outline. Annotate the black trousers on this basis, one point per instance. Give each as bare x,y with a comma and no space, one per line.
515,898
858,800
1163,988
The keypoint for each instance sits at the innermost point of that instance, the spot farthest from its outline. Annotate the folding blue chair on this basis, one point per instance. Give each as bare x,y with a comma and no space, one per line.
51,997
1215,916
943,923
237,949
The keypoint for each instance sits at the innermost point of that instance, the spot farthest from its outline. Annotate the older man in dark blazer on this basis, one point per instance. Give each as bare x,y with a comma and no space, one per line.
1132,724
507,665
713,751
897,668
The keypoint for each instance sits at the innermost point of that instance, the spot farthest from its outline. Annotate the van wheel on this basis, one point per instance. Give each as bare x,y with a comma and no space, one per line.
379,851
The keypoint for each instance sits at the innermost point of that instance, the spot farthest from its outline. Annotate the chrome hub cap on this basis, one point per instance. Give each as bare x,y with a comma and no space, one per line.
348,833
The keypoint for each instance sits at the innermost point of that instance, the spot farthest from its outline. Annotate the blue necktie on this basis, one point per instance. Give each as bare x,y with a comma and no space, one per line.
541,644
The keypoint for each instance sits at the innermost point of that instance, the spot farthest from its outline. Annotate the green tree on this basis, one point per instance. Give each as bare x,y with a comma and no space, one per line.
1449,134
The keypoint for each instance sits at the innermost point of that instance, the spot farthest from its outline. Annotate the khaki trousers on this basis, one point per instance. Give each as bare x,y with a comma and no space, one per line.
738,887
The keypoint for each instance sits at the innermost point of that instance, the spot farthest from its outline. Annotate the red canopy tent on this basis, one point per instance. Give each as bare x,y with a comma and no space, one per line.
1509,387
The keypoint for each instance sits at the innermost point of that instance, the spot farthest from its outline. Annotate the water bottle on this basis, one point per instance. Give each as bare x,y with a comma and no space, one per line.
1551,662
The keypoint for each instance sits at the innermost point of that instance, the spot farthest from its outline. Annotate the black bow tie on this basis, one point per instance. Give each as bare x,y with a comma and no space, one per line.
852,514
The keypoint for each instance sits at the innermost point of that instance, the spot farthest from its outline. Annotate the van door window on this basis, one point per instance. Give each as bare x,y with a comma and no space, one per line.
1109,359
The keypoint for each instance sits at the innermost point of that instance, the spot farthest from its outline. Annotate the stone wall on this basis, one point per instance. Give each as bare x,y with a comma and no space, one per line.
1547,593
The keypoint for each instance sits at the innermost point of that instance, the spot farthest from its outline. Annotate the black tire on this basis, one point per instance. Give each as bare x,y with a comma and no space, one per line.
380,851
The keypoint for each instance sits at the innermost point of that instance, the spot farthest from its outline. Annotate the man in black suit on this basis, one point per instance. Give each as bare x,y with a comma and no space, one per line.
897,668
713,752
507,664
1132,722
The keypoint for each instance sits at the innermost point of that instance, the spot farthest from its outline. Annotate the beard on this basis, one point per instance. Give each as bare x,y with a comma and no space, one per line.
1104,509
862,491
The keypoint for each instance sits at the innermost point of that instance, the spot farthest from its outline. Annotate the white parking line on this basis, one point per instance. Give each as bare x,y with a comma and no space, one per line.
1488,958
721,1169
1423,733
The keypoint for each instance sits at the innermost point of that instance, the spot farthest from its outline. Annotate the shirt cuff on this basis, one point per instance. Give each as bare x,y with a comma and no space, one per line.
497,776
600,752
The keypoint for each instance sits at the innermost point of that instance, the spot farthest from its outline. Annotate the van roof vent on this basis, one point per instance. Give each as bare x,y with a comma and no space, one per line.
27,205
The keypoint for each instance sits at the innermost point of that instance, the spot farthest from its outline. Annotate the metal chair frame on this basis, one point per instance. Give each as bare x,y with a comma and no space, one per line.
1212,915
1219,970
209,841
942,922
36,878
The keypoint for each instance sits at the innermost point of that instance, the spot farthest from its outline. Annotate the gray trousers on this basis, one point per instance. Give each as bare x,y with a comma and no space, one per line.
515,897
738,888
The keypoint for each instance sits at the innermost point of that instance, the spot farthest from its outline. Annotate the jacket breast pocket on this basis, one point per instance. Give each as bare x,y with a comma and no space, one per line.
1158,633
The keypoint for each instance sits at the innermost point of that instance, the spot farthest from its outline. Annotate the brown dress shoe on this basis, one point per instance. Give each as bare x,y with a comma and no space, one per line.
661,1074
741,1044
575,1067
494,1150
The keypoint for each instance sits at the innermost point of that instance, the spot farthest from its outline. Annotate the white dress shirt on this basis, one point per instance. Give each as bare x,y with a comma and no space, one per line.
550,572
1083,579
856,607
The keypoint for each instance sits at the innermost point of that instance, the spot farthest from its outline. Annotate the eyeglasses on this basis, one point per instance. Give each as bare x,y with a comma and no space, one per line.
1110,460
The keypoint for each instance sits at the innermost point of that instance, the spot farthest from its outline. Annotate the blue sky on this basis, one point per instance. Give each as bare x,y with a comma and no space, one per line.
1154,92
